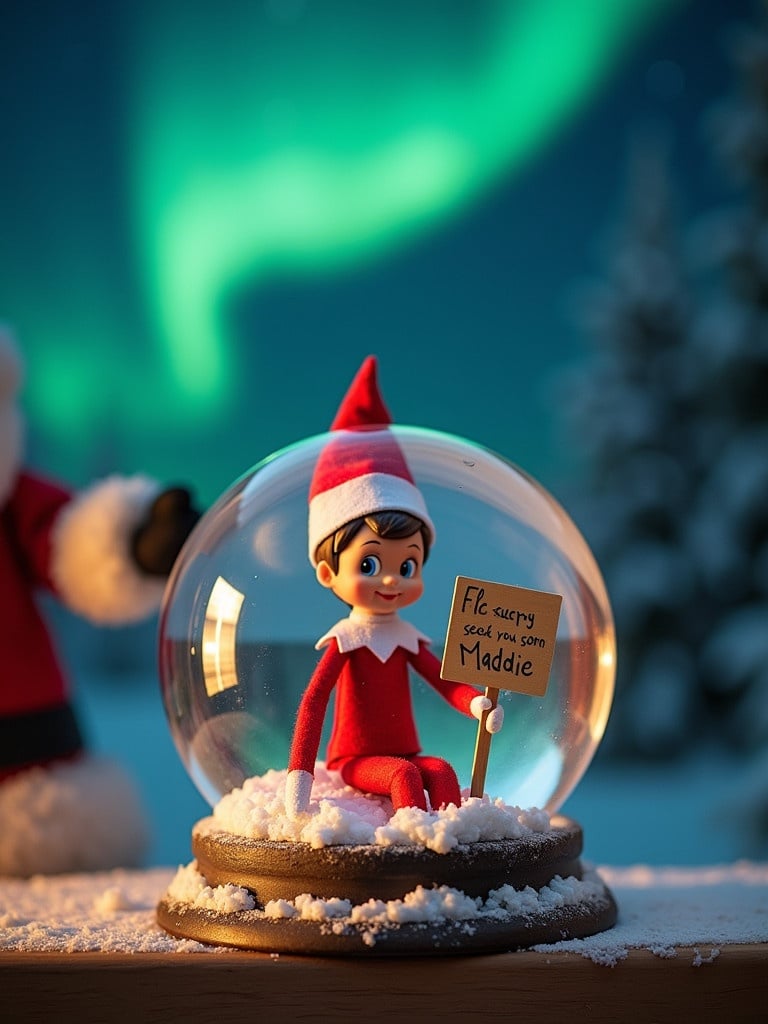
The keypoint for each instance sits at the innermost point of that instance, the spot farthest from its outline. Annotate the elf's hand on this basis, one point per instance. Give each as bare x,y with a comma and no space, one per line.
158,539
479,705
298,788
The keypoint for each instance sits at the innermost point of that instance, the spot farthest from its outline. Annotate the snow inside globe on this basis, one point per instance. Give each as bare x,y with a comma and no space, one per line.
342,759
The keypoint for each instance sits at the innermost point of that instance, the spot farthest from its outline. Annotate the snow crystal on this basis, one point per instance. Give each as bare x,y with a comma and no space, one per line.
340,816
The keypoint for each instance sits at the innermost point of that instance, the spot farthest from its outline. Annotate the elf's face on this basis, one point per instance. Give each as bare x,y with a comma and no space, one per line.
377,575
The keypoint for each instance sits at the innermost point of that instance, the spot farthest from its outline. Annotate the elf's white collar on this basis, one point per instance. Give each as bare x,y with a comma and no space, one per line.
382,634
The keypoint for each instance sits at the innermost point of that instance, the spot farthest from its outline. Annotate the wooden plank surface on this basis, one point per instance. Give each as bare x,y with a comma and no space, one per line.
519,987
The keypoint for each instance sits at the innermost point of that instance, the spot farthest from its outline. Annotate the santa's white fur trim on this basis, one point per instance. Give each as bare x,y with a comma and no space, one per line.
92,566
374,492
82,815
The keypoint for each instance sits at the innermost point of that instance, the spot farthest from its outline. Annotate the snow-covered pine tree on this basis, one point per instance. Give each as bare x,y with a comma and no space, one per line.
630,408
672,413
729,538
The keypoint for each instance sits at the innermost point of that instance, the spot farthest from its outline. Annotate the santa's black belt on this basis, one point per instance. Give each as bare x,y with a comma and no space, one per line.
39,736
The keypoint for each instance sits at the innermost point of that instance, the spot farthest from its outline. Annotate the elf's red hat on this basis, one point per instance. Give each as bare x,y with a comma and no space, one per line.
363,470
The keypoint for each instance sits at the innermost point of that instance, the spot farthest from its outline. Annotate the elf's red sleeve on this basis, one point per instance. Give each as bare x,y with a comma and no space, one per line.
458,695
311,714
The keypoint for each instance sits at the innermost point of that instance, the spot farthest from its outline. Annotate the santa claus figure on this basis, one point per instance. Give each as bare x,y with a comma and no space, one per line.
104,553
369,536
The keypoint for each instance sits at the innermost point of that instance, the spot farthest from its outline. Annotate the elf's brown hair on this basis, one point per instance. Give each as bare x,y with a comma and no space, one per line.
394,524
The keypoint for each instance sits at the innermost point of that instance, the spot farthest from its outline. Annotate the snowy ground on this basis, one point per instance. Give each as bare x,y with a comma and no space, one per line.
671,815
701,909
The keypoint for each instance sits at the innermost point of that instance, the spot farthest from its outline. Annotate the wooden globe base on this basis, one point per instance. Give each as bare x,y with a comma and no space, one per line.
282,870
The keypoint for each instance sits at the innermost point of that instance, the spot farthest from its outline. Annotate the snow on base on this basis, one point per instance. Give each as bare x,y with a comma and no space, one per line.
189,886
442,903
340,816
421,906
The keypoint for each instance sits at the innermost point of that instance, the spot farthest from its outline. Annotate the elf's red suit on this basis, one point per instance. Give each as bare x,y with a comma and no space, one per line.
360,472
373,721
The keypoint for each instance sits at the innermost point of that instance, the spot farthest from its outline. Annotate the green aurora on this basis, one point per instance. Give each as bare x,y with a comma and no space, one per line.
281,138
320,141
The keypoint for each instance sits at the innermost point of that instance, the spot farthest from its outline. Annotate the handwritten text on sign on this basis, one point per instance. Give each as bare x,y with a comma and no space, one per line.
501,636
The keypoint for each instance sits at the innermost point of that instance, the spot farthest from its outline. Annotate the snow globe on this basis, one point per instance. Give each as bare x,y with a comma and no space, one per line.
368,797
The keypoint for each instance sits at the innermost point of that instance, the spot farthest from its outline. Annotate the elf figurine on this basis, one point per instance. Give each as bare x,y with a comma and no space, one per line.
104,553
369,537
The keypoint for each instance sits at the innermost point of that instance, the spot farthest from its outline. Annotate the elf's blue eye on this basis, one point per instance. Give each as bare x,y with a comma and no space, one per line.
370,565
408,568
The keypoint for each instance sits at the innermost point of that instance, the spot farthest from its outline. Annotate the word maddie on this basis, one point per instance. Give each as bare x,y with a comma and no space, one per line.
511,663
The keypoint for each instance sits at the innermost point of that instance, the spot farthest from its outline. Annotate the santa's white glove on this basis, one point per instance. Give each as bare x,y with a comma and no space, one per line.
479,705
298,788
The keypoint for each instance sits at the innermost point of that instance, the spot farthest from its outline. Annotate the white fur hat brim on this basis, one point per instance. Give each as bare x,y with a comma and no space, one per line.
362,496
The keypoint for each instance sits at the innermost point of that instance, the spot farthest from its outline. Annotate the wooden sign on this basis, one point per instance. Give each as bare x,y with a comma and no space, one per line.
502,638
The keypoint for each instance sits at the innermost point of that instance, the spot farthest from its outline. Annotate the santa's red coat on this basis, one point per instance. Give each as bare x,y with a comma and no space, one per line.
76,547
30,678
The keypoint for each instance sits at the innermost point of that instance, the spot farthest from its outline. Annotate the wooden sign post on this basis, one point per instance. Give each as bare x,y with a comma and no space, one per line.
502,638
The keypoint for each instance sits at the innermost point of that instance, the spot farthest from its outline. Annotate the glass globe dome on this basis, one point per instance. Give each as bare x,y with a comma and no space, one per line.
243,610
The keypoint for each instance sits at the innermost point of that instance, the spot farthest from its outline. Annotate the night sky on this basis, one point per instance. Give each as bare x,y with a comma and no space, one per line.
467,297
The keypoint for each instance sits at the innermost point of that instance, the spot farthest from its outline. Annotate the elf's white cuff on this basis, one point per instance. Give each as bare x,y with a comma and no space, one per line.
495,720
91,563
479,705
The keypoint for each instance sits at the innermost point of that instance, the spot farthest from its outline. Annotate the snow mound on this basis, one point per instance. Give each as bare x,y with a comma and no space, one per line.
342,816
